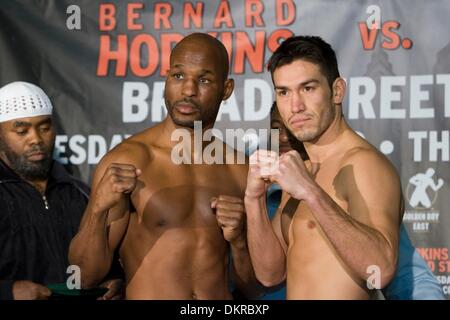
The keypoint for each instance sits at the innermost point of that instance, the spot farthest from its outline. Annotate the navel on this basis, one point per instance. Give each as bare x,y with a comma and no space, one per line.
161,223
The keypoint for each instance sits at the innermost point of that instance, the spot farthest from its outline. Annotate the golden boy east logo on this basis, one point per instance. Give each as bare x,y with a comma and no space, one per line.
421,195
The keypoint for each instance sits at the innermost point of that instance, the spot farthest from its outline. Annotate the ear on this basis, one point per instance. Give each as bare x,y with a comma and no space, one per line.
228,88
339,88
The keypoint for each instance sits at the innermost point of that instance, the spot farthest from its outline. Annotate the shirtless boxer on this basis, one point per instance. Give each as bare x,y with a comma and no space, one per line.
171,223
339,217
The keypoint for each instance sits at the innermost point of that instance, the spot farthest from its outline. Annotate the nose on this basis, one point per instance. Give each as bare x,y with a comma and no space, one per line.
35,137
189,88
297,103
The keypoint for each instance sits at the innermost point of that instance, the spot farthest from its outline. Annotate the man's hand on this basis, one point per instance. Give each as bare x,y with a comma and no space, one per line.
230,215
262,164
118,182
28,290
293,176
116,290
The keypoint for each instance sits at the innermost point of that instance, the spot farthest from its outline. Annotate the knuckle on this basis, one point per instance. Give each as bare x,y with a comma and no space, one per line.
113,171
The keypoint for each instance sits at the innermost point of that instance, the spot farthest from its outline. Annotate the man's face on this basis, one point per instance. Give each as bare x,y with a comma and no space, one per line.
195,86
304,99
26,145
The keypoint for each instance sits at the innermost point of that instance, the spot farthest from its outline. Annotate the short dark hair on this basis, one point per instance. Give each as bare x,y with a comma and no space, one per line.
309,48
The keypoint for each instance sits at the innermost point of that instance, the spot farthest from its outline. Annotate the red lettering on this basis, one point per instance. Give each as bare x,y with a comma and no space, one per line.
444,266
136,57
106,17
281,19
433,253
162,11
423,253
193,15
253,11
274,39
444,254
392,36
244,48
368,37
223,15
132,16
106,55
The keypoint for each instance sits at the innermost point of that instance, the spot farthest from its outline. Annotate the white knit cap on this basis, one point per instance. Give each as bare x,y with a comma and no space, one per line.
23,100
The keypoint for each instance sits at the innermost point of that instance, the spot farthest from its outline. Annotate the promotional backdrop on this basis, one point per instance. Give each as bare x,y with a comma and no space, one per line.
103,65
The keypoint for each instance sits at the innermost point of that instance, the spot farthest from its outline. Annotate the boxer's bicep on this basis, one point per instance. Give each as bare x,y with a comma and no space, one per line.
376,198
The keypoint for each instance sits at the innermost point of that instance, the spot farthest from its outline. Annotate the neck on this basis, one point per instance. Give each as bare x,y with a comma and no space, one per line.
189,139
40,185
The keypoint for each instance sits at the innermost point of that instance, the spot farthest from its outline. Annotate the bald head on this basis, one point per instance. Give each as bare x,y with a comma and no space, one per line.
207,43
197,81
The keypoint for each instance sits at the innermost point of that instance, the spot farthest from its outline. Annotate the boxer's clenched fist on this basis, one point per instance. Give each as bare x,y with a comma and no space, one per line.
230,215
118,181
293,175
262,164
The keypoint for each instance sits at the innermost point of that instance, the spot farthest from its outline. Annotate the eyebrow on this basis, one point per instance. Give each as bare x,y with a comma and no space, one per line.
19,124
301,84
203,71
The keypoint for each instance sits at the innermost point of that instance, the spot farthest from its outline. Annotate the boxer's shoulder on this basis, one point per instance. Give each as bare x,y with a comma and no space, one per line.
130,151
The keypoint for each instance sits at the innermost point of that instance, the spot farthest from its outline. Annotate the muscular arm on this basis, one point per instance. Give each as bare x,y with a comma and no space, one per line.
267,249
413,279
230,214
267,253
104,221
242,270
367,234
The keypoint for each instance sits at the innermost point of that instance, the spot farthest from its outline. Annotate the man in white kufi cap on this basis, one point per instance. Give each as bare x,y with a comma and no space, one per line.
40,203
23,100
26,131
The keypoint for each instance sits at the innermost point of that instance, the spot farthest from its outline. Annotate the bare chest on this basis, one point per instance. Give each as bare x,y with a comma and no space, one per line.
298,220
180,195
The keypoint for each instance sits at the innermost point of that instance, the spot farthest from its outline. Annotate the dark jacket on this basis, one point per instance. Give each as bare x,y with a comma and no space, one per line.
35,231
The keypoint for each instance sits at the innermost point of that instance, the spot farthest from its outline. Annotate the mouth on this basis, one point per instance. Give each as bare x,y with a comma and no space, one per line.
37,156
186,108
298,121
